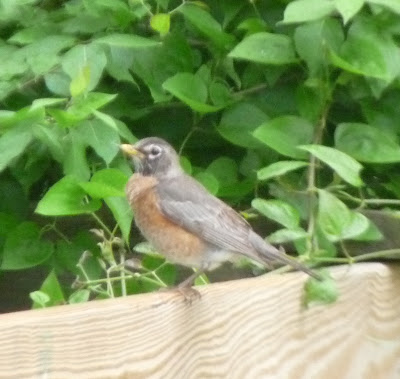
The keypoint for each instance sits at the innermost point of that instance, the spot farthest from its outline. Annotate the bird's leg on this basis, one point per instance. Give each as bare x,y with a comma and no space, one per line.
185,288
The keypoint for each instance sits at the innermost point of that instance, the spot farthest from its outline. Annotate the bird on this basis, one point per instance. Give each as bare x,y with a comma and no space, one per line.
184,222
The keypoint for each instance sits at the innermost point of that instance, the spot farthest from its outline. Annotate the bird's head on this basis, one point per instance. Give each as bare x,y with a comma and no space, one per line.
153,156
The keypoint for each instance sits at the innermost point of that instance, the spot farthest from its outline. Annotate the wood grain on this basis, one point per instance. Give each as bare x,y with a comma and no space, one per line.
251,328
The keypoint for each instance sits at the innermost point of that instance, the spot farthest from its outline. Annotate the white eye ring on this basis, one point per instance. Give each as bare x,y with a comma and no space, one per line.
155,151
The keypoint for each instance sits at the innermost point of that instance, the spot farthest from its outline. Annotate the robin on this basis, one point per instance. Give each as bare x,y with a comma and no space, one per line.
183,221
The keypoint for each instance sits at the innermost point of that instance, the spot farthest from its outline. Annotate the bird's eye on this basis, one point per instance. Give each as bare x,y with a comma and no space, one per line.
155,151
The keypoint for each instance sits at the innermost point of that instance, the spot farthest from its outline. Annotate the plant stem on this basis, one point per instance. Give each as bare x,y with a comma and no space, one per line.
391,253
110,288
256,11
146,7
377,254
123,275
369,201
251,90
101,223
311,186
184,142
346,253
105,280
145,277
60,234
163,284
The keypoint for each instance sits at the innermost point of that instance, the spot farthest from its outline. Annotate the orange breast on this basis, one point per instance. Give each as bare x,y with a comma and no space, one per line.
171,240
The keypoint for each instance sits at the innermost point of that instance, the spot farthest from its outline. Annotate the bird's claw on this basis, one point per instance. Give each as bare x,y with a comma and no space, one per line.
189,294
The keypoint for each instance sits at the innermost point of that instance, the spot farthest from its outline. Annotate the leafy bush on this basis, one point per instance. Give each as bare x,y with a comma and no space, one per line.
262,98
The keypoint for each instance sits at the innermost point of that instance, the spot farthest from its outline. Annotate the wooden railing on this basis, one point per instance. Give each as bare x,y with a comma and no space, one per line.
250,328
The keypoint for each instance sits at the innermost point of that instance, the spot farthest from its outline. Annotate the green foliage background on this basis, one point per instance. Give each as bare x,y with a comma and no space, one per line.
292,100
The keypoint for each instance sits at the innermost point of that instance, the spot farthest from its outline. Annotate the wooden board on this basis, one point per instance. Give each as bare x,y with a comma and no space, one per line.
251,328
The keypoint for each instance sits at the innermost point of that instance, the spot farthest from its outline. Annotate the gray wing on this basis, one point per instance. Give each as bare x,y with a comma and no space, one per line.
187,203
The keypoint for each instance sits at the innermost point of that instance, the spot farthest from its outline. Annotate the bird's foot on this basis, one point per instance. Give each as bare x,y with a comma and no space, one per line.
189,294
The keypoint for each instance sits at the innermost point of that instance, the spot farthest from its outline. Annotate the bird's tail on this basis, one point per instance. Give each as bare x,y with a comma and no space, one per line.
268,254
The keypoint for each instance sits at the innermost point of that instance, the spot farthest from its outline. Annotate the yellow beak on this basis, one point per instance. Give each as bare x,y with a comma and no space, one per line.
130,150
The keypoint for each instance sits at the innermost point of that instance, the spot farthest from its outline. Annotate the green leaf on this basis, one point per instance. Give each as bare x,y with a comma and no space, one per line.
344,165
284,134
333,216
30,168
372,233
127,40
119,63
122,213
250,163
81,82
209,181
13,200
52,288
225,170
80,296
314,40
152,262
358,227
13,143
43,55
66,197
58,82
101,137
108,182
238,123
32,34
336,221
117,13
154,66
39,298
206,25
367,143
220,94
267,48
82,61
7,223
107,119
279,169
252,25
236,191
145,248
167,273
327,248
23,117
307,10
287,235
45,102
23,248
369,51
82,107
279,211
125,132
68,254
321,292
185,164
160,22
75,162
191,90
393,5
348,9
